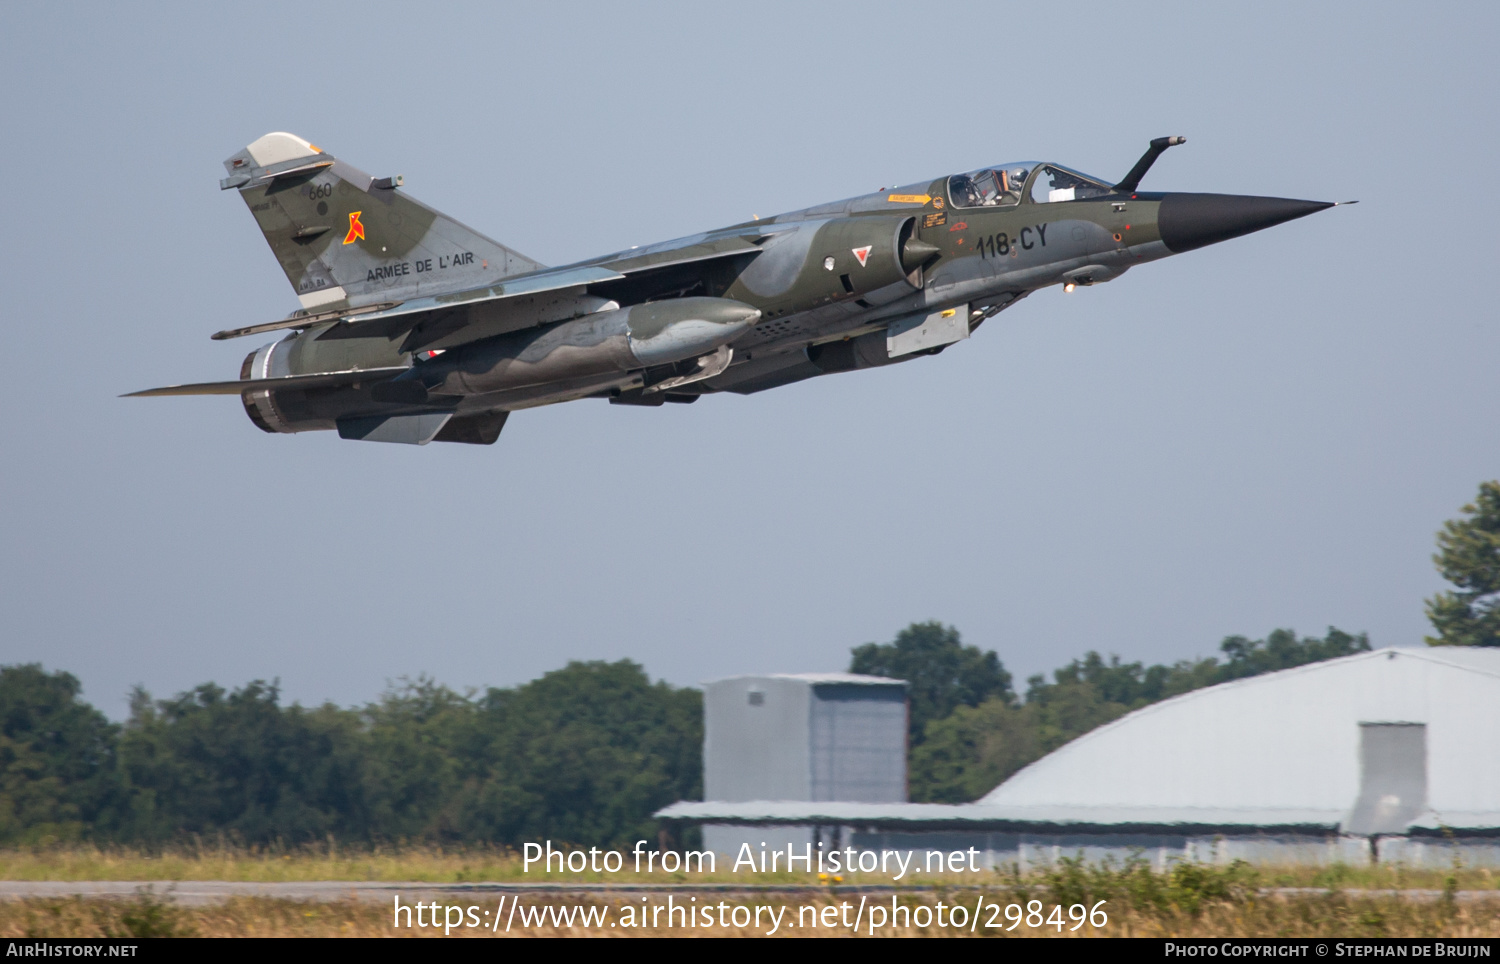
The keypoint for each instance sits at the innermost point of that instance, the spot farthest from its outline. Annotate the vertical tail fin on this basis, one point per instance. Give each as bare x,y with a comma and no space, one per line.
345,238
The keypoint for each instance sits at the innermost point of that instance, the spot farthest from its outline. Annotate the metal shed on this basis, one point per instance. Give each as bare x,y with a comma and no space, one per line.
806,737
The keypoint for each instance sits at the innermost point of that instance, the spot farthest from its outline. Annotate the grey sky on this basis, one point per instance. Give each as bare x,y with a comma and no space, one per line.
1263,433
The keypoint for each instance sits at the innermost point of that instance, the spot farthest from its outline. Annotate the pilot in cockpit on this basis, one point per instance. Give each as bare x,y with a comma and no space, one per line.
987,188
963,192
1011,183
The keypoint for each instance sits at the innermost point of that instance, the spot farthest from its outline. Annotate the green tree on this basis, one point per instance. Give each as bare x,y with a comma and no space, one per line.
970,751
424,745
1469,557
1281,649
208,761
1127,684
57,757
585,754
941,673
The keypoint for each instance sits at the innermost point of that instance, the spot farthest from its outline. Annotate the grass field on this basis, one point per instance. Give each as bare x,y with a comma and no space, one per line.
475,864
1187,900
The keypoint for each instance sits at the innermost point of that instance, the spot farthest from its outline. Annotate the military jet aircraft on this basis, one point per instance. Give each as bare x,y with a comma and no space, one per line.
414,328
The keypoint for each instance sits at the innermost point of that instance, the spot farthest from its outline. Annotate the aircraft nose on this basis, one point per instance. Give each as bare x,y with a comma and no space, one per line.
1189,221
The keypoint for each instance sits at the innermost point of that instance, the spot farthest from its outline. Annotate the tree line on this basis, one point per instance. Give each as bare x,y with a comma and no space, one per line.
585,753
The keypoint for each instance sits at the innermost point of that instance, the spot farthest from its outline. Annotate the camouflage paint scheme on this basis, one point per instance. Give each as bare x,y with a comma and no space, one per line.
415,328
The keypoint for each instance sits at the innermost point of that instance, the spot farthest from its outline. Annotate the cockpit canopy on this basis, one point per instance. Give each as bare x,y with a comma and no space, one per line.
1008,184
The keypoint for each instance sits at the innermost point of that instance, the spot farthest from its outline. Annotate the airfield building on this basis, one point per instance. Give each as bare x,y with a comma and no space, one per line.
810,737
1391,755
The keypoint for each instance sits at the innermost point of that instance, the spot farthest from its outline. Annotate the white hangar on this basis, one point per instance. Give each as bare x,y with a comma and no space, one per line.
1371,743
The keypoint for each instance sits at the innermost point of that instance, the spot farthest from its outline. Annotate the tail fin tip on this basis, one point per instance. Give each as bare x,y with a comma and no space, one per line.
272,148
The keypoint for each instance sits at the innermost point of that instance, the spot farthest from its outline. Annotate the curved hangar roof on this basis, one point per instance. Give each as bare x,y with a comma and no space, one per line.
1374,743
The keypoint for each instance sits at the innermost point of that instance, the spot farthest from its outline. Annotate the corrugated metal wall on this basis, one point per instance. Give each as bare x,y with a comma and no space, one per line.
858,744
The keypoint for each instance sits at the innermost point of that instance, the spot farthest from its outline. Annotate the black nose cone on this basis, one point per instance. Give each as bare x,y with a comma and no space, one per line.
1189,221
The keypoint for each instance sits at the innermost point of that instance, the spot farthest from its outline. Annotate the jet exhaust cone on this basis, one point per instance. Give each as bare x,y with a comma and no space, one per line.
1189,221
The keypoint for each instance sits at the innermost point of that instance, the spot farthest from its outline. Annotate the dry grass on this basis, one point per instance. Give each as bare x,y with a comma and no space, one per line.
424,864
265,864
1323,916
473,864
1382,877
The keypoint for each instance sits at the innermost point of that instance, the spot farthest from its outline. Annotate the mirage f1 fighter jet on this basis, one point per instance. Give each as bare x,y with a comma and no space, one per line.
414,328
